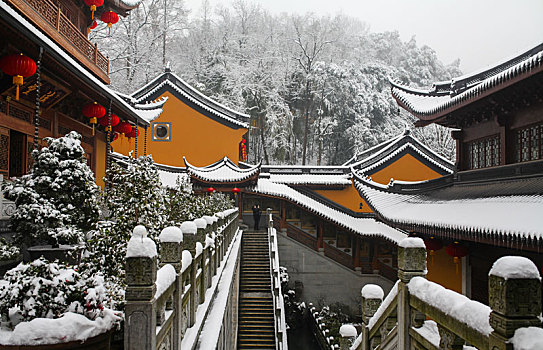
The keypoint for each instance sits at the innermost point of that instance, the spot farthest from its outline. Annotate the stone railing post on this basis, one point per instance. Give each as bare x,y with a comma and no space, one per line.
411,263
171,239
203,229
189,230
269,219
140,309
348,335
372,297
514,295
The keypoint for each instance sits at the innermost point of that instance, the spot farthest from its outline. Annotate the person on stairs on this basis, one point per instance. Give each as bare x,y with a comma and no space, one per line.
256,215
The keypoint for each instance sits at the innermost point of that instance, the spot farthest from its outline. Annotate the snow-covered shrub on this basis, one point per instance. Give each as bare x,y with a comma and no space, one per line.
8,251
57,201
47,290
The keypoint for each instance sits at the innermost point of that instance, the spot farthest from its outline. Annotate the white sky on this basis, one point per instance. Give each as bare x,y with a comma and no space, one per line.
479,32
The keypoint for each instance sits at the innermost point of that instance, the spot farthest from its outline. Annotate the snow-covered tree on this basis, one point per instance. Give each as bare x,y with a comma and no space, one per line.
57,201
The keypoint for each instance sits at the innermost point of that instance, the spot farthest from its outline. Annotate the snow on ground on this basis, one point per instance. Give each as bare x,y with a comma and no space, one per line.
190,336
474,314
514,267
70,327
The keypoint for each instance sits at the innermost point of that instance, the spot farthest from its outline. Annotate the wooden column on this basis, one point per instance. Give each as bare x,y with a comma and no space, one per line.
320,237
356,254
283,208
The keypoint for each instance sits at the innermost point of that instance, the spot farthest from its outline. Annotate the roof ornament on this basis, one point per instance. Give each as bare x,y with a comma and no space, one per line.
167,68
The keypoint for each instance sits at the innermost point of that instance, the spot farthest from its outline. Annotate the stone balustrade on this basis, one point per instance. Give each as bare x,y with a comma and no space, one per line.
165,288
419,314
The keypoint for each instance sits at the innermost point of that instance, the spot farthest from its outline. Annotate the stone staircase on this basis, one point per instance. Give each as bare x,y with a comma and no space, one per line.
256,317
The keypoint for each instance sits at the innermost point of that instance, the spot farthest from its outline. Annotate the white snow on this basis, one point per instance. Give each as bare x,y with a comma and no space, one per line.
223,171
472,313
70,327
347,330
189,227
430,332
388,300
528,338
514,267
186,260
312,179
372,291
171,234
516,216
199,249
164,278
169,178
412,242
362,226
140,245
209,220
200,223
209,335
210,242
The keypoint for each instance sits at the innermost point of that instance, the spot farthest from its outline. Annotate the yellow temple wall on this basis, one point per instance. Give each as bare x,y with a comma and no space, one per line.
443,270
347,197
407,168
199,138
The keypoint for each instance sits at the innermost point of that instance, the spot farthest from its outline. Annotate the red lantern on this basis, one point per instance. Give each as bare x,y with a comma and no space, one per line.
243,141
115,136
433,244
92,26
94,111
457,251
114,120
93,4
210,190
134,132
19,66
235,190
110,18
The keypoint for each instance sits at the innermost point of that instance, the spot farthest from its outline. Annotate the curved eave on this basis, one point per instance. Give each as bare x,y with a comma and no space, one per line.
420,104
243,175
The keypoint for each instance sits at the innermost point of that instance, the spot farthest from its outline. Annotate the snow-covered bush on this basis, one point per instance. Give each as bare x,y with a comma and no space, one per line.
8,251
57,201
48,290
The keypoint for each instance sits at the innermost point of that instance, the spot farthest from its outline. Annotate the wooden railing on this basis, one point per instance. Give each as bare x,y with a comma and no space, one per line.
52,14
419,314
161,305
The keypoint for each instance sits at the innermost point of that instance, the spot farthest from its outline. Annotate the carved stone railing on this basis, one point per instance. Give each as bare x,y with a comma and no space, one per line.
419,314
278,300
53,15
7,207
320,329
161,305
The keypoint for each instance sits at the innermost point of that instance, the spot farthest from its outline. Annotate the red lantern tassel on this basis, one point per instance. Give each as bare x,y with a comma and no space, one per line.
17,81
93,8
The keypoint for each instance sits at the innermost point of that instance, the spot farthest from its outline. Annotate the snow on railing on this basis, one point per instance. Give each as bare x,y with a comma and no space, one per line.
278,300
421,314
172,303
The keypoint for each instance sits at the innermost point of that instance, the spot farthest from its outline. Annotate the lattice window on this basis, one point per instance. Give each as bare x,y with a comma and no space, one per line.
483,153
529,143
4,154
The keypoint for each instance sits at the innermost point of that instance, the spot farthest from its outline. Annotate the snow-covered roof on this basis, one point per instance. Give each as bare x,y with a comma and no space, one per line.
383,154
223,171
361,226
311,179
184,91
445,97
509,208
64,58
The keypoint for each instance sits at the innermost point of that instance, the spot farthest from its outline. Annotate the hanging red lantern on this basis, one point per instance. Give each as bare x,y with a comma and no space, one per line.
210,190
93,4
243,141
235,190
433,244
19,66
457,251
115,136
114,120
110,18
94,111
92,26
134,132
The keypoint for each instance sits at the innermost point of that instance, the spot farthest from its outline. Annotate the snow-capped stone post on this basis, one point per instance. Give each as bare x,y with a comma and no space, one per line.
411,263
170,247
348,334
372,297
514,295
203,229
190,230
140,310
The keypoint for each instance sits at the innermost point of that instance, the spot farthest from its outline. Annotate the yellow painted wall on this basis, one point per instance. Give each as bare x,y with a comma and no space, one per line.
200,139
443,270
407,168
347,197
100,162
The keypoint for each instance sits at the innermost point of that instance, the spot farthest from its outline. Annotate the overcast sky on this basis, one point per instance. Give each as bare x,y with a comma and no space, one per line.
479,32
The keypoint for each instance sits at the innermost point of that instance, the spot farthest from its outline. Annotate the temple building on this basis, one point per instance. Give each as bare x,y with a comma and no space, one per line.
51,76
192,125
491,205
